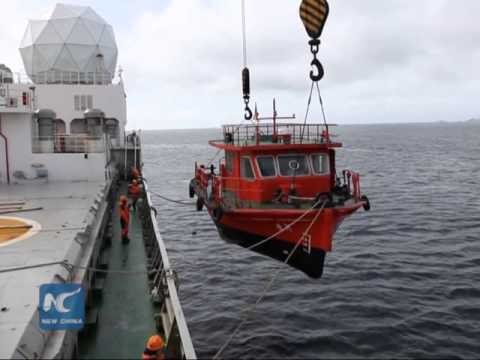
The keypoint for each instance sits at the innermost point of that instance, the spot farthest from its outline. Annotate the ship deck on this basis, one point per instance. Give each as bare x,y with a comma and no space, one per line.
65,212
126,313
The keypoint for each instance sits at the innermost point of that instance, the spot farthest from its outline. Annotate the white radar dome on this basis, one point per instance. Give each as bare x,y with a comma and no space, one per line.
74,46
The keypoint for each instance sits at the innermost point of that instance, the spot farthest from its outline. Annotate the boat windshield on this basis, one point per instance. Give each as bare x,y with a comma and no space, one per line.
320,164
266,164
246,170
291,165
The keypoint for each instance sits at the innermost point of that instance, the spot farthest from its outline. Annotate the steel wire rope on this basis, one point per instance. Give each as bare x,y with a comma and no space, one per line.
309,102
321,105
267,288
68,266
288,226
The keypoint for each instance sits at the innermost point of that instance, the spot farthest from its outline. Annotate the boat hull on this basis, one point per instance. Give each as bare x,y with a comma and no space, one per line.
313,233
310,263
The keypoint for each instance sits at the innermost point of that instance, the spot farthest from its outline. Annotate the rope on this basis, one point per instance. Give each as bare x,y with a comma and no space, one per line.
268,286
214,157
321,105
288,226
180,202
67,265
306,113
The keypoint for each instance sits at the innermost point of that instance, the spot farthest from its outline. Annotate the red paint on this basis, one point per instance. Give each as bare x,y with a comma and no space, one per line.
259,207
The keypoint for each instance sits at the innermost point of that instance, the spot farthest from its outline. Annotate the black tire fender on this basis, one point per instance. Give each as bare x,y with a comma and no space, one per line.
366,205
217,213
199,204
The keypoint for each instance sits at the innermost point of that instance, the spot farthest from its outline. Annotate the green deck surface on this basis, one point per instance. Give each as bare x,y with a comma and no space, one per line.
125,318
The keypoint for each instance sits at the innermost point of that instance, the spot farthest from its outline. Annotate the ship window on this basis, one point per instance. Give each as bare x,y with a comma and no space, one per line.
229,161
266,164
83,102
290,165
320,163
89,102
246,170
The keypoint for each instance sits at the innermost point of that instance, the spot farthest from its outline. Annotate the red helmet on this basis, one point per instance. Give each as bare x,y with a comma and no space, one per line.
155,343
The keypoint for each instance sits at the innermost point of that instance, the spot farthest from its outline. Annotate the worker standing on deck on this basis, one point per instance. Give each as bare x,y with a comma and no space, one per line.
154,349
135,173
134,191
124,218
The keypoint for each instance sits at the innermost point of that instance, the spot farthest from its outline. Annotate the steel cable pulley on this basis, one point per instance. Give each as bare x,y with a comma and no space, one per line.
314,15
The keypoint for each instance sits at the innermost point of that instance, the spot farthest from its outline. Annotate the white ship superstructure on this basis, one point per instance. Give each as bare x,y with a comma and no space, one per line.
64,162
72,106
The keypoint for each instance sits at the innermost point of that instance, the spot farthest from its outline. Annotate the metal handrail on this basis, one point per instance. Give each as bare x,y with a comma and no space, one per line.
287,133
168,276
68,144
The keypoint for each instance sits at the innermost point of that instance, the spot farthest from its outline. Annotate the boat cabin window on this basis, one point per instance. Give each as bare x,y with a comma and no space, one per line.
320,164
229,161
291,165
246,170
266,164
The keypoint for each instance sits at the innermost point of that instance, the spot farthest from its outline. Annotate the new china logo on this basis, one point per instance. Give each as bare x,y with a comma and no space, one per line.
62,307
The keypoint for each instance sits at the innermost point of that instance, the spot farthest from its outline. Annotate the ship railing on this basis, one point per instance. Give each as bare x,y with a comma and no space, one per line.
68,77
164,286
268,134
68,144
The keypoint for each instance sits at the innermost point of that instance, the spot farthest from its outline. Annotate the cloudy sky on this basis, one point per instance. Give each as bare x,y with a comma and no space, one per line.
385,60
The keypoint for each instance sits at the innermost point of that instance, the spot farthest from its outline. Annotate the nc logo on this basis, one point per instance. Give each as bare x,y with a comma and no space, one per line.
61,307
58,302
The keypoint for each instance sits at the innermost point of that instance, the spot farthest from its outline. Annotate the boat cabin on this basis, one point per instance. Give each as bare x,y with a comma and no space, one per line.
264,166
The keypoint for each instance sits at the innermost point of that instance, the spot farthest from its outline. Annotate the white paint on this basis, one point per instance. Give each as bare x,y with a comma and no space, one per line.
35,228
19,126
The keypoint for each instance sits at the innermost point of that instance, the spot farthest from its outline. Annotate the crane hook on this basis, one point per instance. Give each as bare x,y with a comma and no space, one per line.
248,113
319,69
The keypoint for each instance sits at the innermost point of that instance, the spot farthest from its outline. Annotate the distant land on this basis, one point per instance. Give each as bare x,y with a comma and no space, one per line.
474,120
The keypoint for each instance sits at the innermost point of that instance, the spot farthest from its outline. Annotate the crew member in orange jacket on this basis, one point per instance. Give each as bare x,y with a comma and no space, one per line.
135,173
134,191
124,218
154,349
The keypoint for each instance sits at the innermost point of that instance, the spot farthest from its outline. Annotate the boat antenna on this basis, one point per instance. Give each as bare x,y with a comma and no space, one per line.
245,71
314,14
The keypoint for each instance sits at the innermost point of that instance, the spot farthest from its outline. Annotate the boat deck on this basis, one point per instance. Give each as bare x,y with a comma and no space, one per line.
126,314
66,210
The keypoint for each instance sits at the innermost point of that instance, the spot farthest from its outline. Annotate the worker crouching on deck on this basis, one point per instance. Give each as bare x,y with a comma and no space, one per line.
124,218
154,349
134,190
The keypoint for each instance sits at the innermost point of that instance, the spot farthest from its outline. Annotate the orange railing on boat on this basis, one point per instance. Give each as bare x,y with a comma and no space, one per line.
267,134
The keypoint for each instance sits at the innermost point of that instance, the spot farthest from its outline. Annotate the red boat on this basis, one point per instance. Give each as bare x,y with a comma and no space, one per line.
277,191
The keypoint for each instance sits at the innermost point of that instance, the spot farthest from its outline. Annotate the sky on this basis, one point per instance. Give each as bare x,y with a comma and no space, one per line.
385,60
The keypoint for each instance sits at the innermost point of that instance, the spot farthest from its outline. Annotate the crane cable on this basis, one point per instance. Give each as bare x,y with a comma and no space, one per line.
267,288
244,34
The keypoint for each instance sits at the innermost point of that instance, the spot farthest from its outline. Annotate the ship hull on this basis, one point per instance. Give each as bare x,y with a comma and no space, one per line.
310,263
313,233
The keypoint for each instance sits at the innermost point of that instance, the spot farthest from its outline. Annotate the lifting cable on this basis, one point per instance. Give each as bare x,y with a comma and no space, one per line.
70,267
314,14
287,226
247,311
